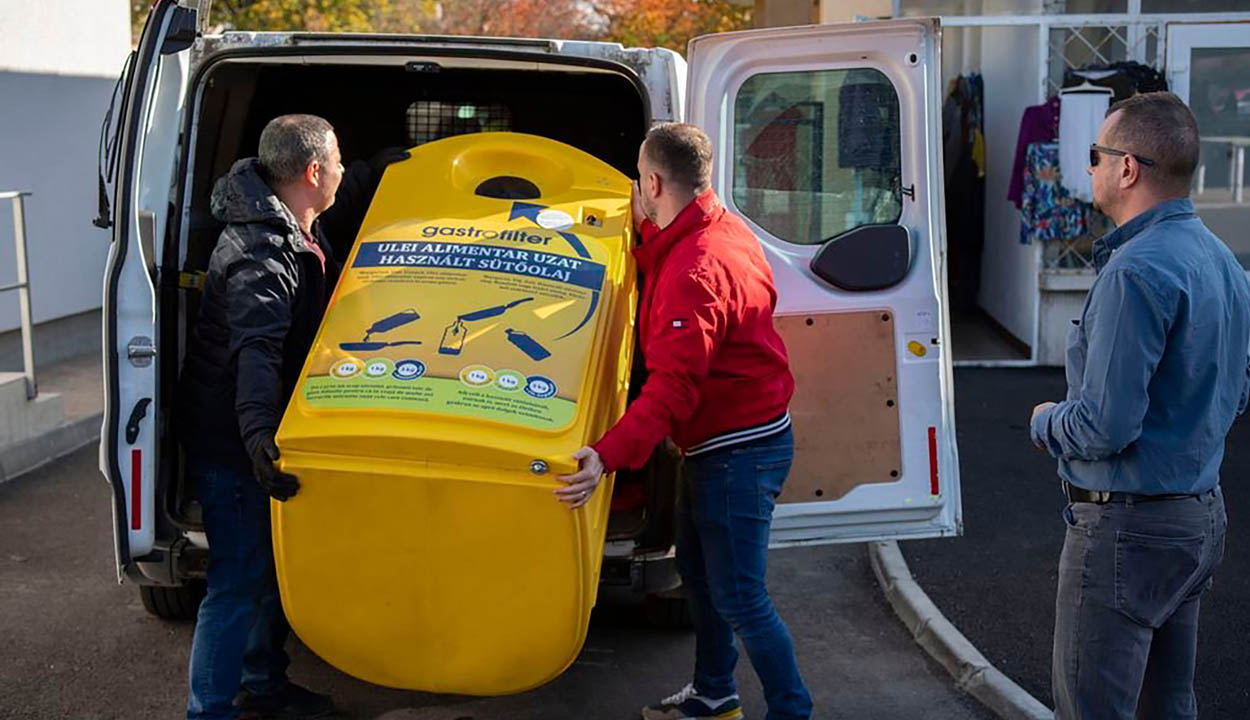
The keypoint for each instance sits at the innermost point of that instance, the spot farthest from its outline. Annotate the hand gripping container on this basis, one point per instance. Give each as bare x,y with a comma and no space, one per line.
482,332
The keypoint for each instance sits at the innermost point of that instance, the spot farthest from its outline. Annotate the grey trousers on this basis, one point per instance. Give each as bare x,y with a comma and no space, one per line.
1126,625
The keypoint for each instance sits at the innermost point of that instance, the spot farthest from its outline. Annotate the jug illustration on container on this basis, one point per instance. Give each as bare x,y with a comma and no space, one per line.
454,335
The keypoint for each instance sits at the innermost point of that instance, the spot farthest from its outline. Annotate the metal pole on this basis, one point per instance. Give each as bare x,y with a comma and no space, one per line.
1239,178
1135,36
1043,62
23,294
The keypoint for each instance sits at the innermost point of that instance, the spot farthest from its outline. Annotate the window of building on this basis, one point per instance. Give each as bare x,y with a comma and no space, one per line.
1192,6
433,120
817,153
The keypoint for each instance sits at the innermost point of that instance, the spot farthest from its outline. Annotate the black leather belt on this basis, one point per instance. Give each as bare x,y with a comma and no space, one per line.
1102,497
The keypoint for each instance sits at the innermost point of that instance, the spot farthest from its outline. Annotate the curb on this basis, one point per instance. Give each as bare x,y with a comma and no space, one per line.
20,458
944,643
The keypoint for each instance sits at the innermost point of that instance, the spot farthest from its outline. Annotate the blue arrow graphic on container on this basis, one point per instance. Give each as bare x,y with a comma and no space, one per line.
531,210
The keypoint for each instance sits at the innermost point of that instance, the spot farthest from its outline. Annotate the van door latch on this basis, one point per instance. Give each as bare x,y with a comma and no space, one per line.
140,351
139,412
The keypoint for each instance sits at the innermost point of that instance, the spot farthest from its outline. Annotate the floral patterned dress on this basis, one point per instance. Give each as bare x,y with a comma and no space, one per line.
1047,210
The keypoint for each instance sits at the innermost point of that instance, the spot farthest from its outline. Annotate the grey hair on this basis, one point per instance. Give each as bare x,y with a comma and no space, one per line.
289,142
1159,126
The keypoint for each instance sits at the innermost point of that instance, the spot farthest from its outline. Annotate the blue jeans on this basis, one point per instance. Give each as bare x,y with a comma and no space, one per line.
724,510
1126,624
241,629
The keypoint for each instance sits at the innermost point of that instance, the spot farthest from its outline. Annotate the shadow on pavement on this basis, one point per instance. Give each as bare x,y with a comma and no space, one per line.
997,582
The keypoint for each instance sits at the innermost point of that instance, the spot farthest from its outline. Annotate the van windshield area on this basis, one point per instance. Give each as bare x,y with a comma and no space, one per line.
816,153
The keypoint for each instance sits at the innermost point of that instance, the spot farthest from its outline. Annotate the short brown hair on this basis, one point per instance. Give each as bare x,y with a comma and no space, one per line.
683,153
1158,126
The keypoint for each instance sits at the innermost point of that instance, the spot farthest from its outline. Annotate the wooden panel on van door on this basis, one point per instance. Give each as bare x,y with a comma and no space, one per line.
845,406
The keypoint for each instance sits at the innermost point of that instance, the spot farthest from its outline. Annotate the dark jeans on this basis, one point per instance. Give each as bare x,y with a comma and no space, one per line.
1126,628
724,510
241,629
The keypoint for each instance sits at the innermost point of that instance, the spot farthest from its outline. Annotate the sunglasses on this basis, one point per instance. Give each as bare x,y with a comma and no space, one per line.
1095,149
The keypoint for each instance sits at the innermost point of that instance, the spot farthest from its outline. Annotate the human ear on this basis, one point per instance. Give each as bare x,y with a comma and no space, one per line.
1129,171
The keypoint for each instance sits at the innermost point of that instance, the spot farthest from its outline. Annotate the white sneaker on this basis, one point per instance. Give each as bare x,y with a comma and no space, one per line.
688,705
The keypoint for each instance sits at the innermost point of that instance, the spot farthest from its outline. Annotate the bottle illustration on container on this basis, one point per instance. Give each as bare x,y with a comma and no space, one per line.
527,345
386,324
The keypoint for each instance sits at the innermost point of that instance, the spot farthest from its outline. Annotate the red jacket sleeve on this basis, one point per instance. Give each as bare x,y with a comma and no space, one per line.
687,323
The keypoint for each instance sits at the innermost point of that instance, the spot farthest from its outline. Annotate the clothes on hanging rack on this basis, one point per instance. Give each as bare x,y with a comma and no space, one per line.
1039,123
1123,78
1048,211
1081,112
963,122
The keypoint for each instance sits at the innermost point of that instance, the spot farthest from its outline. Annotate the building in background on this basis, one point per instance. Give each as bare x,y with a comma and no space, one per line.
1016,286
59,62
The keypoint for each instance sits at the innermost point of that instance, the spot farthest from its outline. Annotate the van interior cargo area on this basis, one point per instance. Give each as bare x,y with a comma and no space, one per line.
372,107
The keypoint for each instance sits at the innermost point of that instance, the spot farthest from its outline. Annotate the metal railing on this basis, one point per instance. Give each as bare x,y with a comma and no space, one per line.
22,286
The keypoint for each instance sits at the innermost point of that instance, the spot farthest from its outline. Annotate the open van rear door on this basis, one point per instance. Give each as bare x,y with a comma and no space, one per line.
828,142
147,133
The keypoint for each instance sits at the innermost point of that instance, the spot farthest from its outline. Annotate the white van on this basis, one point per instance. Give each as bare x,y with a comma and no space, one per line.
827,143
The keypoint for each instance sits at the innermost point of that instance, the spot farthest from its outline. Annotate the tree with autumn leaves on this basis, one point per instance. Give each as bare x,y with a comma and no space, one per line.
670,23
633,23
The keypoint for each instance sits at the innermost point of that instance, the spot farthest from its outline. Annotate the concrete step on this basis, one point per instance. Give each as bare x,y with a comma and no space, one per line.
63,417
22,419
12,390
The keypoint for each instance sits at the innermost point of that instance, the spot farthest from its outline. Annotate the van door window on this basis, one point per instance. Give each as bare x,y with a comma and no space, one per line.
430,120
816,153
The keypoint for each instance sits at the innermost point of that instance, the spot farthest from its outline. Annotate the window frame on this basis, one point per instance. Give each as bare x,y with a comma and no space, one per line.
732,149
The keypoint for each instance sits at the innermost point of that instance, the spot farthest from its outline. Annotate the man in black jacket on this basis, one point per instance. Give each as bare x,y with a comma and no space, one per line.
268,283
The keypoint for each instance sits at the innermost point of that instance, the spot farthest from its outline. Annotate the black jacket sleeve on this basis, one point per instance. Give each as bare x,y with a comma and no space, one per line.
260,293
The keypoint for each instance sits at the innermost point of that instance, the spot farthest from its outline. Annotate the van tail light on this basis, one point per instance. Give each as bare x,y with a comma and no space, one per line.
136,489
933,461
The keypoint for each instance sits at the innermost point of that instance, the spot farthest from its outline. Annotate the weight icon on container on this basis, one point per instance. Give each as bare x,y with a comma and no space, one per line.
408,370
540,387
344,369
477,376
378,367
509,380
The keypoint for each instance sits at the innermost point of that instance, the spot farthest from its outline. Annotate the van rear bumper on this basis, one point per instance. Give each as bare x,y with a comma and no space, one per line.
174,563
169,564
643,574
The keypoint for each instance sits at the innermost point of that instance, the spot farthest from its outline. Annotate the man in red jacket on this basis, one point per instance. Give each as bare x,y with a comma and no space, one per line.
719,385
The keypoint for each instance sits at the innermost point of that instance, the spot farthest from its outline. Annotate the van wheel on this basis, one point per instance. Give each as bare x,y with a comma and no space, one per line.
670,612
172,603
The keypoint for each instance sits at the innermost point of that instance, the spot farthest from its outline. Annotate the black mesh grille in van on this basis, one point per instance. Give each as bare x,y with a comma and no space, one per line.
433,119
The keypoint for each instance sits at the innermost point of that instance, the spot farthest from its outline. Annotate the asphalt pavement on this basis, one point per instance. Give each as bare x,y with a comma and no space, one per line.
76,645
997,582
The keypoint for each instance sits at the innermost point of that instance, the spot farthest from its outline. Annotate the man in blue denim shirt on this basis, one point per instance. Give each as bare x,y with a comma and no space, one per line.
1157,371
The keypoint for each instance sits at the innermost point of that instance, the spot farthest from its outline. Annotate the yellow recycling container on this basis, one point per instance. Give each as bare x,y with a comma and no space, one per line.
482,332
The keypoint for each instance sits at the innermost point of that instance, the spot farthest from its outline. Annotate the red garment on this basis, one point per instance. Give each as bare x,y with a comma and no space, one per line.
715,362
311,242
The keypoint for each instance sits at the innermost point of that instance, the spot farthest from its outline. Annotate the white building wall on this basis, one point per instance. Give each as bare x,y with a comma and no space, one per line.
59,60
64,37
1009,270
